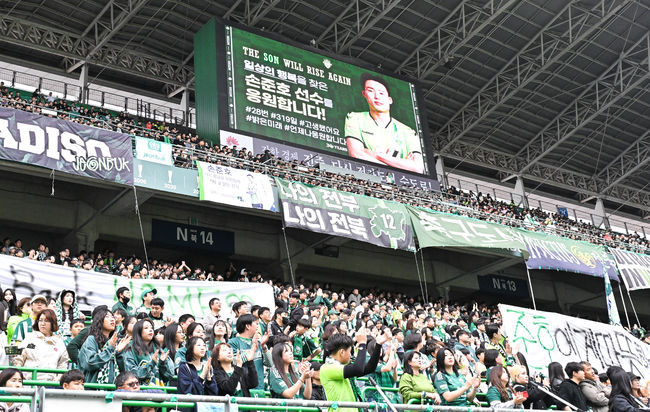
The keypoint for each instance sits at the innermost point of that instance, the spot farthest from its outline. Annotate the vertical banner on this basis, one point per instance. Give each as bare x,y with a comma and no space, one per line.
65,146
612,308
366,219
235,187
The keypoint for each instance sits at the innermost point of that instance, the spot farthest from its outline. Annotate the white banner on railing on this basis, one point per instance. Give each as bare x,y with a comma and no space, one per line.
235,187
545,337
28,278
153,151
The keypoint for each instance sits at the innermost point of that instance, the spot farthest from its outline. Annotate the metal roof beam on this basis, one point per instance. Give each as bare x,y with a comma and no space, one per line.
627,73
627,163
539,54
446,39
578,183
371,21
118,16
74,48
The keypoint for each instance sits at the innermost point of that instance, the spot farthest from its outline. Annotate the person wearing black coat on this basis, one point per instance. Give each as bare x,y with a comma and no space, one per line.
195,377
232,379
521,383
621,398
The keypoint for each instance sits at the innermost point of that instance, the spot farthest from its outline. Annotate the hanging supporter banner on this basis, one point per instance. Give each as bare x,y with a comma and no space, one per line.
436,229
313,158
545,337
559,253
236,187
153,151
612,308
65,146
634,268
92,288
166,178
366,219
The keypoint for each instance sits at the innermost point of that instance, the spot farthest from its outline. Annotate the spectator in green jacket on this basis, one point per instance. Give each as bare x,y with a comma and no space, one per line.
98,354
145,358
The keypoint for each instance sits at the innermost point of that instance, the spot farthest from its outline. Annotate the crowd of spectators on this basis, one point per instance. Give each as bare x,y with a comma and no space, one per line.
317,344
188,148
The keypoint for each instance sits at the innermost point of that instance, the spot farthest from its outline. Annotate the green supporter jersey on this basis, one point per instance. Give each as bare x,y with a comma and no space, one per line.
396,139
278,385
239,344
303,347
445,382
337,388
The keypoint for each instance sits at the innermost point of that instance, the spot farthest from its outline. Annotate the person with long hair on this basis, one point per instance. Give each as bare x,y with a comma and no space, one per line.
195,375
97,356
22,312
622,398
42,348
501,394
173,340
555,375
67,310
283,378
12,378
234,377
635,382
195,329
218,333
414,384
452,386
145,358
9,296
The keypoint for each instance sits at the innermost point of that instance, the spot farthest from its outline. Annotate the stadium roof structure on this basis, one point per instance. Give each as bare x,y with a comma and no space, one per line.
553,91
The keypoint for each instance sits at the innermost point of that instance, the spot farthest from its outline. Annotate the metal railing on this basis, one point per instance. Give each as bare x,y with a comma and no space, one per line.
40,396
167,113
442,202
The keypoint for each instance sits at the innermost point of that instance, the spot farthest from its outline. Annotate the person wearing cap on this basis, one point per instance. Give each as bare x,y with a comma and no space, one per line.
635,383
146,296
37,305
123,295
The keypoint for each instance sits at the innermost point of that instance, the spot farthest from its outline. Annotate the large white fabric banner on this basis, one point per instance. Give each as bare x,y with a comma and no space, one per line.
28,278
235,187
546,337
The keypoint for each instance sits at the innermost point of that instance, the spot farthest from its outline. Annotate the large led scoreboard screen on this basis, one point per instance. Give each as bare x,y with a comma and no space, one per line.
289,94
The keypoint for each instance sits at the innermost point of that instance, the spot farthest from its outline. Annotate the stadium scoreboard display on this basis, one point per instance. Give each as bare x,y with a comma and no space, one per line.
270,90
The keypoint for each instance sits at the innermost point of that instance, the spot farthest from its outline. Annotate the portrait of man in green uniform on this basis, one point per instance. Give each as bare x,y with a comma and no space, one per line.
376,136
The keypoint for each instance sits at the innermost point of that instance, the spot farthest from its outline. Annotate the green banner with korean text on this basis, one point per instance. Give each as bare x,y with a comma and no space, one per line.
436,229
366,219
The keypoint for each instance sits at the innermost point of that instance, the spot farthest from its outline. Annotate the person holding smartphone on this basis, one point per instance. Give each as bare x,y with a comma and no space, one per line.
501,394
